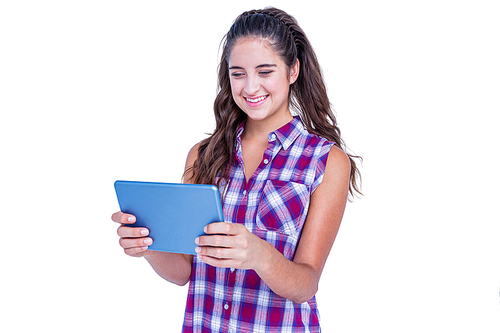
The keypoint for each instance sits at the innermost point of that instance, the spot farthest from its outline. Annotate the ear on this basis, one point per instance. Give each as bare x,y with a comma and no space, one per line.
294,72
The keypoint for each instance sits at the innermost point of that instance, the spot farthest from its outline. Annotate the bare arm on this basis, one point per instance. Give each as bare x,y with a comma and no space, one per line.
320,230
296,280
173,267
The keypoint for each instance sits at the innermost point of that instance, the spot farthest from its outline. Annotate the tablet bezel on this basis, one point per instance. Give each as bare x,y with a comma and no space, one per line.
174,213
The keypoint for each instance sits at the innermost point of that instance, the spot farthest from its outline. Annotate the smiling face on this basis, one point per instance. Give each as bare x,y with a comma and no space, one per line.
260,81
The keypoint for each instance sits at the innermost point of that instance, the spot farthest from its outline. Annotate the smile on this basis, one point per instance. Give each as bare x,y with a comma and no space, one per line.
256,100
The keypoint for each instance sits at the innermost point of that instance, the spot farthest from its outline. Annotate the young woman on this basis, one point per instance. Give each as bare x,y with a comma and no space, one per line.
284,180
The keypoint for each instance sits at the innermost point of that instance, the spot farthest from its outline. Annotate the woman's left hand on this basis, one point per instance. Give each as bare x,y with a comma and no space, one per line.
231,245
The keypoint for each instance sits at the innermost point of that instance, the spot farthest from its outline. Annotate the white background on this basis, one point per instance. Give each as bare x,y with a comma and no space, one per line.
95,91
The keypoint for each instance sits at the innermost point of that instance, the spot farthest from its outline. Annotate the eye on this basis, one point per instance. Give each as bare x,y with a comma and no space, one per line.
237,74
265,72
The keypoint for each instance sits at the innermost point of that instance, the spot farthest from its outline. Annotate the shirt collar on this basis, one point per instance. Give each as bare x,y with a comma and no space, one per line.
240,129
286,134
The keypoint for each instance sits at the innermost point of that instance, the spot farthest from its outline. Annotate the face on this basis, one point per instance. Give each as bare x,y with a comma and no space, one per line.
260,81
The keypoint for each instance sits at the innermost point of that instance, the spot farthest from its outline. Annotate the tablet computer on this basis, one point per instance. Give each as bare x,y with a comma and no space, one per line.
175,214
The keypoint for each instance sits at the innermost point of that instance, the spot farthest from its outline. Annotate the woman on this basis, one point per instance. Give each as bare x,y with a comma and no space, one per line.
284,181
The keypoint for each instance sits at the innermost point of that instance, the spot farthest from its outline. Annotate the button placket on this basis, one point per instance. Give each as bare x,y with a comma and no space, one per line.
267,155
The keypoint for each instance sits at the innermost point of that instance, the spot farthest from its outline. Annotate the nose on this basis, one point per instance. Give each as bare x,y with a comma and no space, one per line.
252,85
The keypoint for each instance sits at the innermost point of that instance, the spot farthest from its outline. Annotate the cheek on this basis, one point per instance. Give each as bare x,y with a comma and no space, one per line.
233,87
236,90
236,96
277,86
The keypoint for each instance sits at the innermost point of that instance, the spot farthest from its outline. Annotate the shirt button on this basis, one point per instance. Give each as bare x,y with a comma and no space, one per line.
266,161
244,192
226,306
232,269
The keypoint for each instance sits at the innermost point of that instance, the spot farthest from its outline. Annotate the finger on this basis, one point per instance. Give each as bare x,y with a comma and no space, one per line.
123,218
136,251
225,228
215,241
216,252
216,262
128,243
129,232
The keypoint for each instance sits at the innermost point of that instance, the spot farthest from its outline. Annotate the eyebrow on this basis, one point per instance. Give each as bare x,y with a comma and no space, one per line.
259,66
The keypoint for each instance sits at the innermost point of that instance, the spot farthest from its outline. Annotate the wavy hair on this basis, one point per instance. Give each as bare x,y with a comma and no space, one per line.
307,98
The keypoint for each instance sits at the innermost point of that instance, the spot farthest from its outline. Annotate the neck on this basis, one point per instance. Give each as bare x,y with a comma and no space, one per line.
260,129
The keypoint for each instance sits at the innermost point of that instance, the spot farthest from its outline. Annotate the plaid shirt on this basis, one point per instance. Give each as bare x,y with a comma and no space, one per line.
273,205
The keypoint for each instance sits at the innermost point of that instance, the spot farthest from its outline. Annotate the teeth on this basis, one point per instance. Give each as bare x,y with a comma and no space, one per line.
251,100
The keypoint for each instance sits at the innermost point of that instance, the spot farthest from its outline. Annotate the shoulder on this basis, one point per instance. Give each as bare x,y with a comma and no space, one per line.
310,140
191,158
327,151
338,166
193,154
339,157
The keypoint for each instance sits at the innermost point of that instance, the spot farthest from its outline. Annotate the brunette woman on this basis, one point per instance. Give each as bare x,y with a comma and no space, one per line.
284,177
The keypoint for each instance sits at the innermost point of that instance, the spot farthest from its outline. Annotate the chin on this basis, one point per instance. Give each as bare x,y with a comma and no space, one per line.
256,117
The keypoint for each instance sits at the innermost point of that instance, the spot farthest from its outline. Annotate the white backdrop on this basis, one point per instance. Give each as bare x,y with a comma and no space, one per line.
95,91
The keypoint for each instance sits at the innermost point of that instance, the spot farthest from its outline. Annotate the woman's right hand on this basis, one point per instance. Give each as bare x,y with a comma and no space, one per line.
133,240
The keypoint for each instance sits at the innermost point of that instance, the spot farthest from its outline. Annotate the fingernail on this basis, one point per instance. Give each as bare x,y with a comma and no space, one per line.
131,219
144,232
198,250
144,248
205,229
197,240
148,241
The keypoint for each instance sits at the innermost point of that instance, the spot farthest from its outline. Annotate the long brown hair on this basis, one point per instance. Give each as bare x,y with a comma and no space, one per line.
308,96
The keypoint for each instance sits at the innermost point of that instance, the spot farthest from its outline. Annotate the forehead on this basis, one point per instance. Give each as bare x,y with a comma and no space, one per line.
253,51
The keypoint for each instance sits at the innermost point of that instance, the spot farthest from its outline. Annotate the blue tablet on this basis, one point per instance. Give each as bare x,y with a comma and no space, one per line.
175,214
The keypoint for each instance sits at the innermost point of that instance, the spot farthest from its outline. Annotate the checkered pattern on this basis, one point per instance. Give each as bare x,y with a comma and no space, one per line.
273,205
